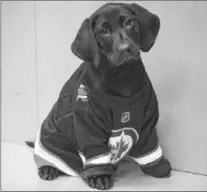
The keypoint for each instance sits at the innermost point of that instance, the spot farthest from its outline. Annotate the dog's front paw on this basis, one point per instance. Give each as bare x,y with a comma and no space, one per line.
102,182
49,173
160,169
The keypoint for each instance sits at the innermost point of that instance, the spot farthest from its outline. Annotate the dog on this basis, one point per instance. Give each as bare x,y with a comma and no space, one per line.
108,109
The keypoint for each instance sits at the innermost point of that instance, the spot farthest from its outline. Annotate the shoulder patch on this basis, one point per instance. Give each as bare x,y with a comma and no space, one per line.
82,94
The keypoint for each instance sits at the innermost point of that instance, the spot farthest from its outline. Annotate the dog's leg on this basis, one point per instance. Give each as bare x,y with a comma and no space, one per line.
103,182
56,155
49,173
159,169
46,172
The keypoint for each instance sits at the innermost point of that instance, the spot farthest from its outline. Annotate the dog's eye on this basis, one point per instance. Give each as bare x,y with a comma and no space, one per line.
128,22
104,31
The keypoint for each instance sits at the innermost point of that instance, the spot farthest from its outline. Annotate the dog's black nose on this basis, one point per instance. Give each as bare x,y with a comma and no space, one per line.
124,47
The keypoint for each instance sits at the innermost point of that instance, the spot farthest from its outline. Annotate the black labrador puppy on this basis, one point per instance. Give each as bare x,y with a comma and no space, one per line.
108,109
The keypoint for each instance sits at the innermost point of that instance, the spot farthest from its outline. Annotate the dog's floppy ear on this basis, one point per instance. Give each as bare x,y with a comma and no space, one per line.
84,46
149,26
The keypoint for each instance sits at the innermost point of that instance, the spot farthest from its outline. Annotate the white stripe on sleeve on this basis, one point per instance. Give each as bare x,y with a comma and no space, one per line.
149,158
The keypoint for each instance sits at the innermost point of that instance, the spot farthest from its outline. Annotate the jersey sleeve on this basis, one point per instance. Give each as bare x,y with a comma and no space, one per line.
90,134
92,139
147,150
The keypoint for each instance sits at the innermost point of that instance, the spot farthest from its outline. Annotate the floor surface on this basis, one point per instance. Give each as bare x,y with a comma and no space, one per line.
18,172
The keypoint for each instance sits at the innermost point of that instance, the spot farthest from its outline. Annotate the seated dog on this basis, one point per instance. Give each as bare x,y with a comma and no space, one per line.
108,109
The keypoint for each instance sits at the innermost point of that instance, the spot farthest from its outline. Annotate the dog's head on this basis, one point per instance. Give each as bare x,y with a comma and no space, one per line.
118,32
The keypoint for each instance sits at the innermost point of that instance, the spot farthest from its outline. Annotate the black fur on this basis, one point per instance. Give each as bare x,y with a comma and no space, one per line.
49,173
100,182
110,41
159,169
114,55
30,144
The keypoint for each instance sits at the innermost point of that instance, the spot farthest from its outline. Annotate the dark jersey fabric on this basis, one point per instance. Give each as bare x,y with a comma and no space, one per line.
93,123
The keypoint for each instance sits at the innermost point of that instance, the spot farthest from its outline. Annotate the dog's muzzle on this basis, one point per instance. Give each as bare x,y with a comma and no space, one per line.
125,51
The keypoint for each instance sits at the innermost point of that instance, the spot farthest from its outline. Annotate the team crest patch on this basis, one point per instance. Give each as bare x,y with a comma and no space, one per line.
125,117
82,94
121,141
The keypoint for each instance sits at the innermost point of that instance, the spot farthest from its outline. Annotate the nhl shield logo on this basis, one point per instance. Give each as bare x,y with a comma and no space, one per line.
125,117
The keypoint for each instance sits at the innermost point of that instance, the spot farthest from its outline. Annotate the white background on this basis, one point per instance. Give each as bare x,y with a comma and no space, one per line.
36,62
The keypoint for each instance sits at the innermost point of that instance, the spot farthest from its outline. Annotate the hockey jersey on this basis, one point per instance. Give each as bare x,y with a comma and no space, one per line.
100,128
